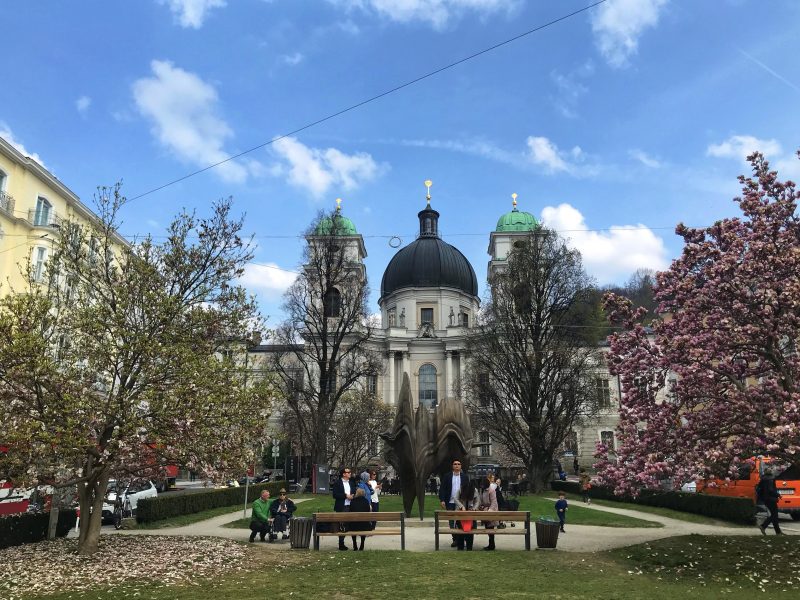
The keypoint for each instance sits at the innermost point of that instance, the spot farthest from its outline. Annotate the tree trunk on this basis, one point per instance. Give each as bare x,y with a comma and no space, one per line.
91,496
539,476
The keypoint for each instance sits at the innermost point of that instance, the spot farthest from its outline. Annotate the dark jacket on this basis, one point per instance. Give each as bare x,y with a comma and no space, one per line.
447,485
337,489
360,504
276,504
767,492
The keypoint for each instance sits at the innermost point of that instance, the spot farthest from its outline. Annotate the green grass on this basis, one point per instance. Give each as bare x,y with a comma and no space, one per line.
660,511
689,566
537,505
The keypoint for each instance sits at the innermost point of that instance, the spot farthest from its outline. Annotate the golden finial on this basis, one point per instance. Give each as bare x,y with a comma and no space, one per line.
338,205
514,196
428,184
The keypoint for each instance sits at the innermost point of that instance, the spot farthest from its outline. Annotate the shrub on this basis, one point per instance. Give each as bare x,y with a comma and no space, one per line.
174,505
725,508
26,528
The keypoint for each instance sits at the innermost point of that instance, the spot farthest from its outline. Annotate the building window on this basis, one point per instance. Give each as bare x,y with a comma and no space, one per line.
483,390
41,217
484,444
426,315
607,439
330,385
427,386
373,447
463,318
294,383
372,384
3,179
39,256
603,392
332,303
571,442
94,250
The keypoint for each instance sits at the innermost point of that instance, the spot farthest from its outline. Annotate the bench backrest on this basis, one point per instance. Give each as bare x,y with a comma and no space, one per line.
484,515
354,517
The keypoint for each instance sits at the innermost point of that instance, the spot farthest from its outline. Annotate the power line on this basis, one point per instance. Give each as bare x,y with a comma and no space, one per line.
373,98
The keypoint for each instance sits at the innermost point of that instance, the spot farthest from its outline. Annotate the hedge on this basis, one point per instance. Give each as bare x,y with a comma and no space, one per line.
725,508
166,506
26,528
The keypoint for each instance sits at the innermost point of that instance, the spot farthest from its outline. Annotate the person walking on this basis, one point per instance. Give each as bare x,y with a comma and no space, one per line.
281,509
450,488
342,496
768,495
468,499
359,503
575,465
561,510
489,503
259,520
585,483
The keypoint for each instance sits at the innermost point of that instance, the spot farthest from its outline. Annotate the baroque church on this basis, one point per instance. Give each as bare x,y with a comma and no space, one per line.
428,303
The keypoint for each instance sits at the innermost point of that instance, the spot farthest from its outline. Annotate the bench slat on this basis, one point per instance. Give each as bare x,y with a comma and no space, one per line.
483,515
348,517
481,530
366,533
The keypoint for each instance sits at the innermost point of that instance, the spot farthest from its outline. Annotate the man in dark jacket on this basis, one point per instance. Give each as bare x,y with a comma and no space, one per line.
769,496
343,492
449,489
281,509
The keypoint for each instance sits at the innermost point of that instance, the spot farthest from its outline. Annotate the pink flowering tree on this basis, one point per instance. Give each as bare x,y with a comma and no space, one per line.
715,379
123,359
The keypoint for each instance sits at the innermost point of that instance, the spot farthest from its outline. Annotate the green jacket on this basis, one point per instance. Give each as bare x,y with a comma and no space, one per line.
261,511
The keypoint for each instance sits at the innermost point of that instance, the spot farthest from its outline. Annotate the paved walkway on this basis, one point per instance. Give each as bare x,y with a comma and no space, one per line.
419,535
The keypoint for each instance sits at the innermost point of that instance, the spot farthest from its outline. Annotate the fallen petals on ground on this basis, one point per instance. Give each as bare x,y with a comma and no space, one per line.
49,567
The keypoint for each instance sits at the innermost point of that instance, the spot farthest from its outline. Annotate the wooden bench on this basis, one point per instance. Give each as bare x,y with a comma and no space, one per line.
484,515
336,518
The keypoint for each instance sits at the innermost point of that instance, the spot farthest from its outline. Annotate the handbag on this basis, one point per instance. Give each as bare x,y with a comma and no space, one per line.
466,525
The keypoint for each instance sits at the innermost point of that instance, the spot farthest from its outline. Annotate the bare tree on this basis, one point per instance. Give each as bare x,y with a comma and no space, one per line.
326,336
354,433
534,354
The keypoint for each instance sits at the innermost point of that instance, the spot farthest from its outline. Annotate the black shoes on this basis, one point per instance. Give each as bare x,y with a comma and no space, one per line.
454,544
342,547
285,537
252,538
489,548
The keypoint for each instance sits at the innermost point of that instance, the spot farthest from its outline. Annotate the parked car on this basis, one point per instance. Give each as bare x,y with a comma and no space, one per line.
130,493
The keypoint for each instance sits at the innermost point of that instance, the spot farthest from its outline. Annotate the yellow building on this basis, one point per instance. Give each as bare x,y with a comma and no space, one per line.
33,204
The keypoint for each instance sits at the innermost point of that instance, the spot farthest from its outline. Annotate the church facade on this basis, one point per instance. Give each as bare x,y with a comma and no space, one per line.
429,304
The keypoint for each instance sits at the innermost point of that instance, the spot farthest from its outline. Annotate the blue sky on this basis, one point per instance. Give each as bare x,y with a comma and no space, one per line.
612,126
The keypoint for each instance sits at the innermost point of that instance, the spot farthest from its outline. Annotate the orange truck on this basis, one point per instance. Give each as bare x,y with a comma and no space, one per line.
787,480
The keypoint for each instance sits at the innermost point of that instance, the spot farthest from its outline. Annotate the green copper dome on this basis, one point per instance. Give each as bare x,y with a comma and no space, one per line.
517,221
343,226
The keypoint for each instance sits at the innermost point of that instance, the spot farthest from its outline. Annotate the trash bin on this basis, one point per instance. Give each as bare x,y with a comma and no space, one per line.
546,533
300,532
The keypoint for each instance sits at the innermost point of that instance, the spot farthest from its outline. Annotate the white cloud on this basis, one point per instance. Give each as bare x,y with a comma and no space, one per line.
609,256
569,89
317,170
268,279
617,26
7,135
477,147
292,59
739,146
645,159
192,13
182,108
436,13
544,153
82,104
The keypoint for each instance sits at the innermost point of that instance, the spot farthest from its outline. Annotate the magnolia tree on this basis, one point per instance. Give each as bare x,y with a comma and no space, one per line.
717,378
111,363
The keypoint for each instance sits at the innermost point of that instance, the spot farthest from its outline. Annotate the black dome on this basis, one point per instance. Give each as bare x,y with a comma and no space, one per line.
429,262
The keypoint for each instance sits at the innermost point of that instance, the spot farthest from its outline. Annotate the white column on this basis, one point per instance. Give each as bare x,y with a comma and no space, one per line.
448,390
406,367
392,393
462,370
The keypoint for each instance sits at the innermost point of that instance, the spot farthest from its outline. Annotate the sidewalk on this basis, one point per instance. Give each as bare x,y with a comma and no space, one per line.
420,538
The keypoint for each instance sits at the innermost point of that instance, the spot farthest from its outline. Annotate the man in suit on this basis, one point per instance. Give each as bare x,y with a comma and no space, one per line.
449,489
343,492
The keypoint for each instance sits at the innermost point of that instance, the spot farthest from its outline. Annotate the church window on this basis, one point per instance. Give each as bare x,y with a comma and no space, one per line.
483,390
463,319
427,386
372,384
426,315
603,392
332,303
392,317
484,444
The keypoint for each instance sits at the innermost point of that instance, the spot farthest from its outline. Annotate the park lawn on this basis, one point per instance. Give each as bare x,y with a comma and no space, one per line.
688,566
654,510
537,505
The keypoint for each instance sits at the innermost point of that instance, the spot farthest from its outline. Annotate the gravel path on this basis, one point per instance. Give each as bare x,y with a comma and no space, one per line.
419,535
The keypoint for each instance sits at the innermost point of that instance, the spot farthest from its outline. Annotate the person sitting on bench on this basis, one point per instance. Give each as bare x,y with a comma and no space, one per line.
360,504
259,523
281,509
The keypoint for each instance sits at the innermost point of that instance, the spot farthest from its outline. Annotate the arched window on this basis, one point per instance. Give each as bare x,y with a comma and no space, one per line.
3,179
41,217
427,386
332,303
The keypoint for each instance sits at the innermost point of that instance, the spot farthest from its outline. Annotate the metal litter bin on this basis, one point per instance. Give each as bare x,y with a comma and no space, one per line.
300,532
546,533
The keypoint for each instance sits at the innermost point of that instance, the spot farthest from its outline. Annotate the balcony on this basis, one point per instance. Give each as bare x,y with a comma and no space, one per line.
6,203
43,218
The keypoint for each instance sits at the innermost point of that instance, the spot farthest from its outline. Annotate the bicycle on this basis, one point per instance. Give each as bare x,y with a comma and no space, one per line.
122,510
